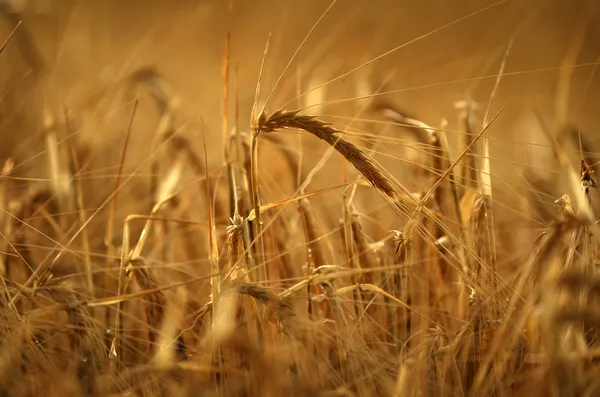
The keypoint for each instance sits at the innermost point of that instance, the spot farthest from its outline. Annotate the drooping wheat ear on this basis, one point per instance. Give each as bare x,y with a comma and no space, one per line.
282,310
588,181
358,158
84,340
233,269
154,303
81,344
158,88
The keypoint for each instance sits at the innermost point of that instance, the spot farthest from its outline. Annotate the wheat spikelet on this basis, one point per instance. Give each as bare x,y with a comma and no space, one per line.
358,158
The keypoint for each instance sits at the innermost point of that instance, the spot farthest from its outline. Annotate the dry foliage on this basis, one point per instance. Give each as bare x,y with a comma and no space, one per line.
234,278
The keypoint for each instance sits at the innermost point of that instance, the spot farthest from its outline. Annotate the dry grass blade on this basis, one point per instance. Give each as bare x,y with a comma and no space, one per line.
266,207
296,52
10,36
214,249
75,169
225,75
24,38
583,206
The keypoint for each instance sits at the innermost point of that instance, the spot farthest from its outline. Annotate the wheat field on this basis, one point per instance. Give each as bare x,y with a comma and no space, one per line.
311,198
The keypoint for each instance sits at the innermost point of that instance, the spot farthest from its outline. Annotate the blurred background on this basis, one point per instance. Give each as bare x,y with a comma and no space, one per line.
79,55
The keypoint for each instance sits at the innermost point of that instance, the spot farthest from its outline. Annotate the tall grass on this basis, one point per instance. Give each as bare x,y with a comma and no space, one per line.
233,276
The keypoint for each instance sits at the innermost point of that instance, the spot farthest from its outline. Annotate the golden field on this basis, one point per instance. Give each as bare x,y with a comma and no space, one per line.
215,198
